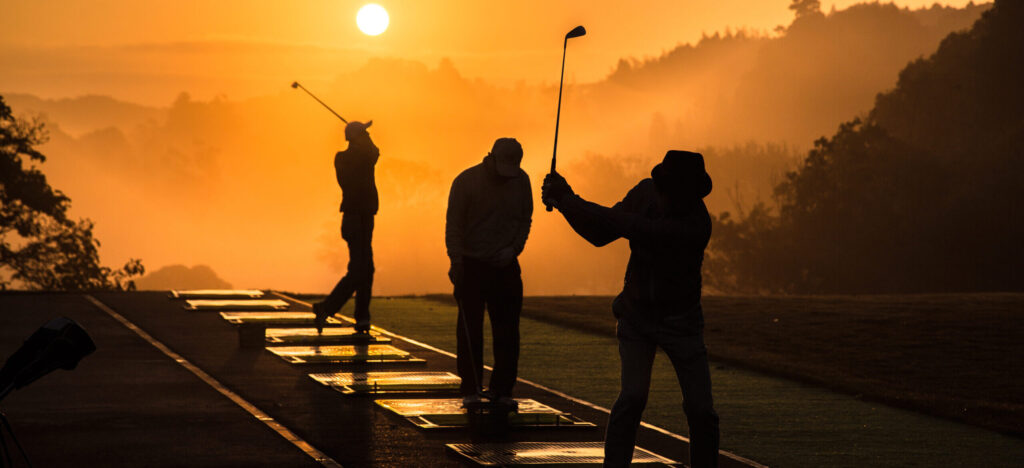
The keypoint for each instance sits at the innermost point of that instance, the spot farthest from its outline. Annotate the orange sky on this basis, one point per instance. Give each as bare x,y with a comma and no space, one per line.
246,186
150,51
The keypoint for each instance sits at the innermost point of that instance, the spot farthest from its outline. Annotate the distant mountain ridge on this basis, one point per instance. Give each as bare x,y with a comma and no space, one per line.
182,277
86,113
789,88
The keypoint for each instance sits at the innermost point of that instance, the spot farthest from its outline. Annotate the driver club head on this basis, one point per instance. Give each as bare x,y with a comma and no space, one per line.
576,32
295,84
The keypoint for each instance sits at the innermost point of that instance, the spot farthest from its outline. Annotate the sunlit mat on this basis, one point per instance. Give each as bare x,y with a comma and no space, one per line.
236,304
217,293
344,354
547,453
309,336
355,383
448,413
275,319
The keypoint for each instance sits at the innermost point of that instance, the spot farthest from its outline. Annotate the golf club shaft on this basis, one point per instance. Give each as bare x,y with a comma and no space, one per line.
469,344
321,102
558,116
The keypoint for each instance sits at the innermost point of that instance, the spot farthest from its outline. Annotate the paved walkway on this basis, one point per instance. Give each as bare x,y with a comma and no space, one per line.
131,404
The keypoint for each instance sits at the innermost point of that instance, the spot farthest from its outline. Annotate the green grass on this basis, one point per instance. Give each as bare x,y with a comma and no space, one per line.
774,421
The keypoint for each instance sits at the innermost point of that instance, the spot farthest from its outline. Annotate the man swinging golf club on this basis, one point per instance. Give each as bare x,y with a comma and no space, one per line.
489,212
667,225
354,169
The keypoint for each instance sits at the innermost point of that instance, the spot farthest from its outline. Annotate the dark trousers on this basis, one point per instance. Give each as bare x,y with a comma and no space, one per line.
357,230
500,290
637,346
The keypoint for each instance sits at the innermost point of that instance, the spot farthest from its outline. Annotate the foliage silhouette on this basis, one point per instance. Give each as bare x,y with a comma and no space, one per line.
920,195
40,246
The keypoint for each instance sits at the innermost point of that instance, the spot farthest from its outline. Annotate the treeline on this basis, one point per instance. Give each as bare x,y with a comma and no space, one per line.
792,86
922,194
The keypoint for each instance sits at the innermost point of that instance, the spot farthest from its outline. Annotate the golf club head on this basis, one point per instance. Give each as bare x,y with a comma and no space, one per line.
576,32
295,84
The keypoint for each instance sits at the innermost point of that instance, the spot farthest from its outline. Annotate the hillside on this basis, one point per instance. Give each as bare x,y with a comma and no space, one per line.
920,195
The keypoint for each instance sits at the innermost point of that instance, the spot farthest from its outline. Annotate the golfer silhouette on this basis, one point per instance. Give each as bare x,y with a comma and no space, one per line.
354,169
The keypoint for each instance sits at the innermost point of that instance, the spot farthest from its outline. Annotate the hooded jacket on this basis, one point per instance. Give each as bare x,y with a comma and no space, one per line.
663,277
354,169
487,213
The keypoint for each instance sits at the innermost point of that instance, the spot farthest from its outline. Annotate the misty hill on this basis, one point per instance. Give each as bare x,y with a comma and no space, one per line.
182,277
921,195
792,87
85,113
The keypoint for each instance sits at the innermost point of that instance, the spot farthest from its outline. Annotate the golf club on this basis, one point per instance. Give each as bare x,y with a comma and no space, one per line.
295,84
576,32
469,342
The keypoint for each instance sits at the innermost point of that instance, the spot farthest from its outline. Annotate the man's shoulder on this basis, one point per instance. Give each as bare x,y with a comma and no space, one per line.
351,152
645,186
639,198
471,172
643,191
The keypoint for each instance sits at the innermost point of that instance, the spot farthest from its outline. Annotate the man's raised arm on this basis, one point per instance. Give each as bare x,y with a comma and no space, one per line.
586,218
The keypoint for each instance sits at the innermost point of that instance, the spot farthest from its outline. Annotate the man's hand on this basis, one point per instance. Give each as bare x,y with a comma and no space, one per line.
555,188
455,273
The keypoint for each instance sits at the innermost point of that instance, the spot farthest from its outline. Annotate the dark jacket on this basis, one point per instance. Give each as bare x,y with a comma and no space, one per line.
663,278
354,169
487,213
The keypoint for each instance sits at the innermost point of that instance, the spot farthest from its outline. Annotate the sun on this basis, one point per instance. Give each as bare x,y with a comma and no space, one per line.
372,19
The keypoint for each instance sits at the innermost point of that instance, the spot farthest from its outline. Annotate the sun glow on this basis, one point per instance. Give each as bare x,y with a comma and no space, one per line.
372,19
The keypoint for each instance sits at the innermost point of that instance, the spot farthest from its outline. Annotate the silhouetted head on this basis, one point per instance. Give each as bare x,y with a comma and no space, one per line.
507,154
355,130
681,176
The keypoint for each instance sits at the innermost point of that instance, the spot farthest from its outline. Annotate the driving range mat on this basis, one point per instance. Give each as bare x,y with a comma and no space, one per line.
236,304
217,293
547,453
373,383
448,413
344,354
330,335
276,319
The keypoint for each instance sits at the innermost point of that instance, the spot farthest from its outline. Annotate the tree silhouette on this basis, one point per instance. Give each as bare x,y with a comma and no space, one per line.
805,7
40,246
921,195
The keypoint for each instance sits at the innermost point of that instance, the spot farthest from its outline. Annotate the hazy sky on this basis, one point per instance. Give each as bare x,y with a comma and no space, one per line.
71,47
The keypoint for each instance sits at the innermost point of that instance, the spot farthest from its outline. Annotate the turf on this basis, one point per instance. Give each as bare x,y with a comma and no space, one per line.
955,356
774,421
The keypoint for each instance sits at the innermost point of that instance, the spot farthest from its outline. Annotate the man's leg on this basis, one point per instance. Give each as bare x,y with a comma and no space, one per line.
469,330
504,304
351,224
636,355
690,359
363,262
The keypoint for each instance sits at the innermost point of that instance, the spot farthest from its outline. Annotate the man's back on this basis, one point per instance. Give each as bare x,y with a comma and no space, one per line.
663,277
354,169
668,227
